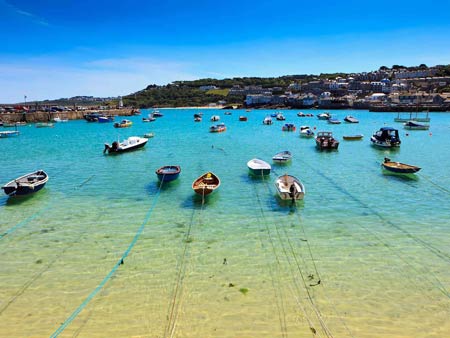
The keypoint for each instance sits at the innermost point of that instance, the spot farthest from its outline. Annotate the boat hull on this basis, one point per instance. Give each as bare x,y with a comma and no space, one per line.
400,168
168,173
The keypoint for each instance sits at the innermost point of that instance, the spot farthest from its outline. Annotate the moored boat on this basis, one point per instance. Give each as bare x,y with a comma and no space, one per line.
280,117
413,125
305,131
168,173
333,120
353,137
44,125
267,120
59,120
282,157
131,143
326,141
215,118
206,184
323,116
351,119
123,124
105,119
242,118
288,127
26,184
386,137
9,133
290,188
259,167
219,128
399,168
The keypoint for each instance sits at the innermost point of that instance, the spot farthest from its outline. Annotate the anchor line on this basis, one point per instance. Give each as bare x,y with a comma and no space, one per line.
81,307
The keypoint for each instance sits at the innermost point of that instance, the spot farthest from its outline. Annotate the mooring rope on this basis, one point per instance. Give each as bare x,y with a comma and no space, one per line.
24,222
80,308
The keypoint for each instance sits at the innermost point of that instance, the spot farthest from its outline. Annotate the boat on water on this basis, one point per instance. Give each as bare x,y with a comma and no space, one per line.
59,120
267,120
44,125
242,118
413,125
26,184
288,127
92,116
131,143
282,157
290,188
301,114
386,137
280,117
333,120
148,135
323,116
326,141
399,168
9,133
105,119
305,131
198,119
215,118
353,137
123,124
218,128
206,184
351,119
168,173
412,117
259,167
157,113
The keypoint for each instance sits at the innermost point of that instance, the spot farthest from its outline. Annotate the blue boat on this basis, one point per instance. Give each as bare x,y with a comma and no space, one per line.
168,173
26,184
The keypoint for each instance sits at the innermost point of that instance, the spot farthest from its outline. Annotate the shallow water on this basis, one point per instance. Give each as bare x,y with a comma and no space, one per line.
241,263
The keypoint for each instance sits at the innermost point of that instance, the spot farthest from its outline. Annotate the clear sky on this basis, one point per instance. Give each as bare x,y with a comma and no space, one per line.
62,48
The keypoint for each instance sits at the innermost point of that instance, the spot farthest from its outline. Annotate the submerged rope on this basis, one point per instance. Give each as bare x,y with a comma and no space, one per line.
22,223
113,270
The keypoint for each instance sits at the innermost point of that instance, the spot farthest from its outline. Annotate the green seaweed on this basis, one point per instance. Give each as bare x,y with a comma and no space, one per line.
244,291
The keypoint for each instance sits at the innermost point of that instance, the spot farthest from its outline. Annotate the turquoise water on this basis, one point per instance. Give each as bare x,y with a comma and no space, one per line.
241,263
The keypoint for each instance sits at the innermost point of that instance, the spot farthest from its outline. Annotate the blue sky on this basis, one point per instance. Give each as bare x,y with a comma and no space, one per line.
61,48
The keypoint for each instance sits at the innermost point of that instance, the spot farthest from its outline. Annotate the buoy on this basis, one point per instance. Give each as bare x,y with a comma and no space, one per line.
407,134
431,134
314,128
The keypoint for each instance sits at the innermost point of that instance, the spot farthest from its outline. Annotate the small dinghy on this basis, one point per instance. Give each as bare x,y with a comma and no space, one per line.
259,167
282,157
399,168
26,184
168,173
206,184
289,188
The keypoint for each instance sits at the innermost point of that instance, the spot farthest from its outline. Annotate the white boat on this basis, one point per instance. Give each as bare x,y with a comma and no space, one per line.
305,131
267,120
131,143
280,117
58,119
259,167
333,120
351,119
290,188
323,116
9,133
215,118
282,157
414,125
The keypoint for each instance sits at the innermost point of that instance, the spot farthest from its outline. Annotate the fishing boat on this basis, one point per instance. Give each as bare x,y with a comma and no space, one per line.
259,167
282,157
386,137
215,118
413,125
92,116
288,127
326,141
353,137
219,128
123,124
290,188
333,120
206,184
399,168
351,119
131,143
9,133
267,120
26,184
323,116
242,118
168,173
305,131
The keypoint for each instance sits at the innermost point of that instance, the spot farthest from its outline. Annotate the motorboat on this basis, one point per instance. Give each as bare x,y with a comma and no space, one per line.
267,120
215,118
131,143
168,173
323,116
26,184
399,168
105,119
123,124
218,128
333,120
259,167
206,184
351,119
386,137
9,133
288,127
280,117
326,141
58,119
290,188
242,118
282,157
305,131
44,125
414,125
